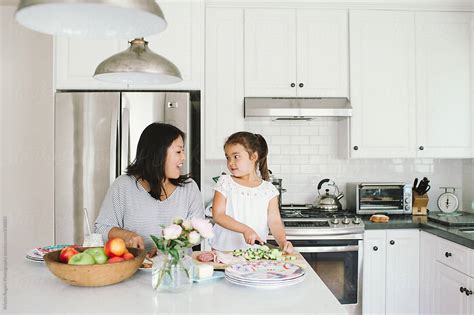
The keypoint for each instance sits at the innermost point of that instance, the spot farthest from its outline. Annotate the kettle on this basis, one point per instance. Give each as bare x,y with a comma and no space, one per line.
328,202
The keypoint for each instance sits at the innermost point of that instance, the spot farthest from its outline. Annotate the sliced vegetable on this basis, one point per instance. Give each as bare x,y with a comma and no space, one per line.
263,252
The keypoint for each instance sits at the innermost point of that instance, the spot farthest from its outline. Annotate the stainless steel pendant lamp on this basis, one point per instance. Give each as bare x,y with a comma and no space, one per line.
101,19
138,65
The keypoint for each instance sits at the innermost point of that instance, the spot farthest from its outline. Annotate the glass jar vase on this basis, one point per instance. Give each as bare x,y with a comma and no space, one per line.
171,274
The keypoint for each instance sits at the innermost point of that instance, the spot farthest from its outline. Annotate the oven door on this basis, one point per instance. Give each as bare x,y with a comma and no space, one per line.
380,198
337,263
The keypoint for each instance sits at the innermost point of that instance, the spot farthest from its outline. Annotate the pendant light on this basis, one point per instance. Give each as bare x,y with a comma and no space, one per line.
100,19
137,65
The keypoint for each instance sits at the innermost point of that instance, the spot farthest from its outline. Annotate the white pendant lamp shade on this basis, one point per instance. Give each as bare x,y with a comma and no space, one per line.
100,19
137,65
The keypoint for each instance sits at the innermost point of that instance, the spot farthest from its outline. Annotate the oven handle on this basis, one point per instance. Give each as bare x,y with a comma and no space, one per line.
327,249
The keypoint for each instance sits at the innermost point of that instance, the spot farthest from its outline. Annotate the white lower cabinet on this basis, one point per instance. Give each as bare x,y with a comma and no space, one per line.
446,277
450,291
391,272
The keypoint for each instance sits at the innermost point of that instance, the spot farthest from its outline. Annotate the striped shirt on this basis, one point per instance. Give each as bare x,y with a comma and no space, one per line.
127,205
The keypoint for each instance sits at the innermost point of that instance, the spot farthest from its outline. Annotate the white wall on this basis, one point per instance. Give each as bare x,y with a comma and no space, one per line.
26,147
302,153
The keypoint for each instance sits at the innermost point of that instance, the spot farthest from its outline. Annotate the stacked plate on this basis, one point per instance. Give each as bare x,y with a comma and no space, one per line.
264,273
36,254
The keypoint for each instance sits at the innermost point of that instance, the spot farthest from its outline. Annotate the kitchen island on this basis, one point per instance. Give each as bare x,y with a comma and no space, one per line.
32,288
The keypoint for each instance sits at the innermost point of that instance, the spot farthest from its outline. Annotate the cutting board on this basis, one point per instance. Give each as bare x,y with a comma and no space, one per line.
299,261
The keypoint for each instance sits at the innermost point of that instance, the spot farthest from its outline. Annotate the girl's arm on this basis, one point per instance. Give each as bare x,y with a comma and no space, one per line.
219,216
276,226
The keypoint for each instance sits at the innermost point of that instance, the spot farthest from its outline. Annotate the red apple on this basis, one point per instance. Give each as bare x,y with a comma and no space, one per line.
115,247
128,256
115,259
66,253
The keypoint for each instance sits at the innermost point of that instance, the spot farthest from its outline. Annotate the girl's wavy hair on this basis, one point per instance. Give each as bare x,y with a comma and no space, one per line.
149,163
253,143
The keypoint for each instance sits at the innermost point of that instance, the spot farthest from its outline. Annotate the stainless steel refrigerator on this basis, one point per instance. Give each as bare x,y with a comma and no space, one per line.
96,136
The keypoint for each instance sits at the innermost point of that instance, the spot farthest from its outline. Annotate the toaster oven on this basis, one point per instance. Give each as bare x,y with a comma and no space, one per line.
389,198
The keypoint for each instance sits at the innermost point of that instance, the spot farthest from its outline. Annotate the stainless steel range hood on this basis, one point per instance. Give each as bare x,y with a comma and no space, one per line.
283,108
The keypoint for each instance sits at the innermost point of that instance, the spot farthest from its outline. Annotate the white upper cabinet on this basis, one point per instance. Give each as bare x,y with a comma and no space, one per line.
270,52
322,53
224,93
411,81
443,81
382,46
181,42
296,52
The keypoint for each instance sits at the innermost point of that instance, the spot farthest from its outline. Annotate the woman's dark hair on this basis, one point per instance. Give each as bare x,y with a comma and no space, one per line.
252,143
149,163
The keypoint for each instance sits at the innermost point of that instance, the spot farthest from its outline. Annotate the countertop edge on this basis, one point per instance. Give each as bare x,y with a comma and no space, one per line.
422,223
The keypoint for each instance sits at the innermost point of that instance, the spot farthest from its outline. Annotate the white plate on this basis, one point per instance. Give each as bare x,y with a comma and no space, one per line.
259,281
37,253
264,271
34,259
146,269
266,285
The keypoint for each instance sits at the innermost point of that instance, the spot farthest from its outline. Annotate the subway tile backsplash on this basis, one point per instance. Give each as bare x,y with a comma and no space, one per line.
304,152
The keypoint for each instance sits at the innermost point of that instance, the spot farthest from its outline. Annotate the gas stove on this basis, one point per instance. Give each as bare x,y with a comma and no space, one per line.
304,220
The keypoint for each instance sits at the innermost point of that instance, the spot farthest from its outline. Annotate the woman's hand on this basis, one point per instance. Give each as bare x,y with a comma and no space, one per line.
251,236
151,253
287,247
134,240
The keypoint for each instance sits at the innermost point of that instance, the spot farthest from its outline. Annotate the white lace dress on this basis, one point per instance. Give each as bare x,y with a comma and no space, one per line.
246,205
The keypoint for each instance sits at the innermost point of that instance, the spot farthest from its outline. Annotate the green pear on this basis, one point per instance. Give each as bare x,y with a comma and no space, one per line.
81,259
98,254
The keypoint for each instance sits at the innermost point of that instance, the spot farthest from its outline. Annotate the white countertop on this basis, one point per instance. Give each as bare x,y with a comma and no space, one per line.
32,288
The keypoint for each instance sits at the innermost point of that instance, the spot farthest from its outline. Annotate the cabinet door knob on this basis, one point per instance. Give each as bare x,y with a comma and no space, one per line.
461,289
448,254
375,248
468,292
392,242
356,148
421,147
301,85
292,85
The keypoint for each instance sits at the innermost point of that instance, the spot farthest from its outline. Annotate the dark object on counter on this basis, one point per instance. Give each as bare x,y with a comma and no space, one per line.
277,182
423,187
328,202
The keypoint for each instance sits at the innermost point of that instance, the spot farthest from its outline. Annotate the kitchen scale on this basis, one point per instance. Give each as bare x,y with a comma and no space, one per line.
448,202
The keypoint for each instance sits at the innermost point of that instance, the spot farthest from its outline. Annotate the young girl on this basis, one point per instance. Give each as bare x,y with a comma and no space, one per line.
246,204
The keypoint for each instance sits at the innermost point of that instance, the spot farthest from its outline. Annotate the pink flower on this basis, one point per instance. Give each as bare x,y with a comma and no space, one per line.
187,225
194,237
203,227
172,232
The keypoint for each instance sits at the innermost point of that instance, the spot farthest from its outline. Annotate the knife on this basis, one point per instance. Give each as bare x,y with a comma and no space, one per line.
415,183
423,187
266,244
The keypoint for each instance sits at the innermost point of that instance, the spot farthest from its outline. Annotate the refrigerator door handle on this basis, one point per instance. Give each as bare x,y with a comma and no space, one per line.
125,155
113,147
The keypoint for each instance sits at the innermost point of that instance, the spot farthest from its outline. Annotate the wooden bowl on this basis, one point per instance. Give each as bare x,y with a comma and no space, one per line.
94,275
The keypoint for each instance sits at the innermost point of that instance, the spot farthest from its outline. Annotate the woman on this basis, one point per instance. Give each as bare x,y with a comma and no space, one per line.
152,193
